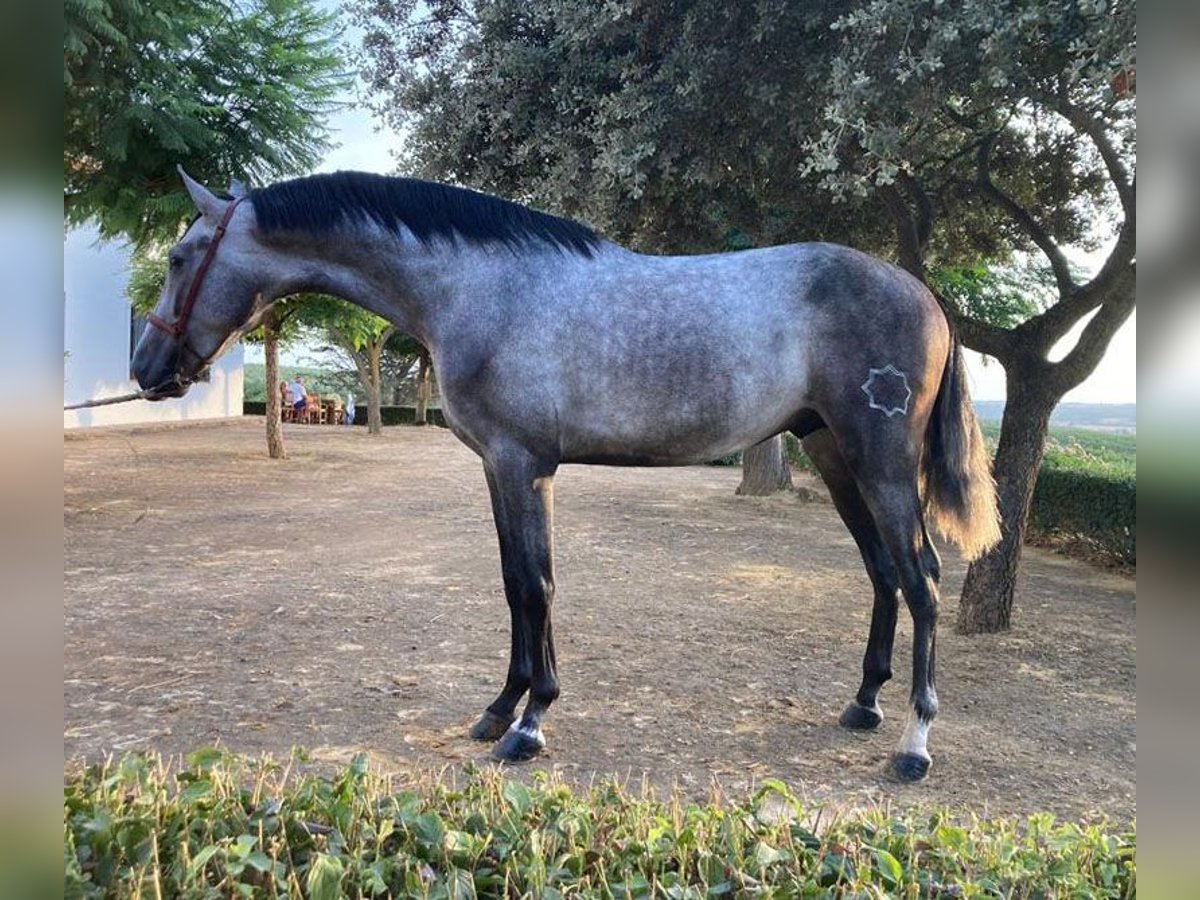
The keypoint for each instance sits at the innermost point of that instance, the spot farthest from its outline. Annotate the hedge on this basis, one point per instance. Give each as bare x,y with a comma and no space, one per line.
392,415
219,826
1099,507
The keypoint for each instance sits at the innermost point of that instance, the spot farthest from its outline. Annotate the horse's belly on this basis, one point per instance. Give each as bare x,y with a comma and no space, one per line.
695,429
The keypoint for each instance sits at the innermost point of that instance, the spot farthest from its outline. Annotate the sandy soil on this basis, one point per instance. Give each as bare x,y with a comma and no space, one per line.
350,599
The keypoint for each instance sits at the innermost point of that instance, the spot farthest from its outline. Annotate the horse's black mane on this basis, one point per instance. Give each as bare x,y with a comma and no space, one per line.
320,203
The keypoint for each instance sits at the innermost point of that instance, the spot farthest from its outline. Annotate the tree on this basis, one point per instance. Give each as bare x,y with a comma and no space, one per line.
946,136
765,469
1024,110
401,354
227,90
424,387
361,335
271,327
673,127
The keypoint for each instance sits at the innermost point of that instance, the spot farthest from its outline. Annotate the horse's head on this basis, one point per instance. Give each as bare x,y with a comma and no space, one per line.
213,294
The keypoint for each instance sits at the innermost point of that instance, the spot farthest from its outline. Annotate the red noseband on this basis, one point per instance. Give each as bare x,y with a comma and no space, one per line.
175,329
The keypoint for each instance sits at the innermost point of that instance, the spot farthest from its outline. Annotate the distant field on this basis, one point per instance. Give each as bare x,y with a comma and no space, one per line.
1113,417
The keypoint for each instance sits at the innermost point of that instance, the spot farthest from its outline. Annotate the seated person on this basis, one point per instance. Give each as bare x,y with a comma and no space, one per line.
299,394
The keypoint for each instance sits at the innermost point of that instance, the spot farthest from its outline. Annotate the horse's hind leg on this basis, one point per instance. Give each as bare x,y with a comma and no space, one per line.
863,713
896,508
522,503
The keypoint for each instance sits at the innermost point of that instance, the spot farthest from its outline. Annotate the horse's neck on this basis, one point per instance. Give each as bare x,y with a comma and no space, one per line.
427,292
377,271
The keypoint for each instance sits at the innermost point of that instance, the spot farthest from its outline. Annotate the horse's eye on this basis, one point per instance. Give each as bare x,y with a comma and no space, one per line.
176,263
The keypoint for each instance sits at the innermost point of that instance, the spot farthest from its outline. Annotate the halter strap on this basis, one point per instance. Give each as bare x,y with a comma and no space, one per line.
176,329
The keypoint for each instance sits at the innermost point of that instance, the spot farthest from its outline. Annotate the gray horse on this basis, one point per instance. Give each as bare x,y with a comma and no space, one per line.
553,345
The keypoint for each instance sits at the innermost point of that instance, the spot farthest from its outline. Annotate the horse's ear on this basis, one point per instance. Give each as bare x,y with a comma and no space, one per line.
210,205
236,189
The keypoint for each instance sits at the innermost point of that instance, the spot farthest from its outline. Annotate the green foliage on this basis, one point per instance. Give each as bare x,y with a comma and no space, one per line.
227,90
1099,507
703,125
674,126
221,826
1004,296
147,275
350,327
1087,488
1086,491
915,93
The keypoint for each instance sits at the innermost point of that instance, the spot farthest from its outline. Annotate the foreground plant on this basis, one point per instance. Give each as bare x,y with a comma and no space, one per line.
221,826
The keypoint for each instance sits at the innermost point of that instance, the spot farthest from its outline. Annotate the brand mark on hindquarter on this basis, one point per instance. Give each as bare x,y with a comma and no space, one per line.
887,390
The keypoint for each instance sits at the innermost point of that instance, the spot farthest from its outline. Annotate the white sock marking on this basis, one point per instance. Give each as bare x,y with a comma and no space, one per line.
915,735
534,734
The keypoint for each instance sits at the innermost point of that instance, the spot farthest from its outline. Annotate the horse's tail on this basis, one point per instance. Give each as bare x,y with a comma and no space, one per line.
960,493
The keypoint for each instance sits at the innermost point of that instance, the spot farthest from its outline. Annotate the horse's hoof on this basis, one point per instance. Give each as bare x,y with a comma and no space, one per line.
490,727
519,744
910,767
857,717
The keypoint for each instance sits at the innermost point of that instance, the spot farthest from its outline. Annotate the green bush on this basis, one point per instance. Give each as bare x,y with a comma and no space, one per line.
225,827
1097,506
1086,492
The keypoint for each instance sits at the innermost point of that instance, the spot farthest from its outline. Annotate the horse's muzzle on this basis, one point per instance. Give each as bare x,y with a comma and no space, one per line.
175,387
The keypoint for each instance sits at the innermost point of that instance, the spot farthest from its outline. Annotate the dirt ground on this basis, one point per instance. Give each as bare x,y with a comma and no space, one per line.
350,599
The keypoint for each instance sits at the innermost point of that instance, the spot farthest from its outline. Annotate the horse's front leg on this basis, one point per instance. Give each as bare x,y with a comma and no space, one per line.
522,490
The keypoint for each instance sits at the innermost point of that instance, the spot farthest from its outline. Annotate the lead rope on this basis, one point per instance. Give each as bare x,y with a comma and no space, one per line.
146,394
124,398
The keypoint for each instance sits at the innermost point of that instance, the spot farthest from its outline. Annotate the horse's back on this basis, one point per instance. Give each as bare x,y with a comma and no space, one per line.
669,360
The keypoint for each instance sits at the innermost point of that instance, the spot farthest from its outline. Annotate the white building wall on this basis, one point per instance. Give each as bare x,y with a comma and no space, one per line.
96,340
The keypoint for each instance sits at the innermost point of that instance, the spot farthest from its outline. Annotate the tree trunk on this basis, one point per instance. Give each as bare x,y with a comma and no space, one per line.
987,597
423,388
275,448
765,469
374,414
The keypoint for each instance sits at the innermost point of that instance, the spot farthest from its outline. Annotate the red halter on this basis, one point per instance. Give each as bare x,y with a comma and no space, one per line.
176,329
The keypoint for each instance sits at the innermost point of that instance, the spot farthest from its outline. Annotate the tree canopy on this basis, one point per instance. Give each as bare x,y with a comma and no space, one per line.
699,125
227,90
670,126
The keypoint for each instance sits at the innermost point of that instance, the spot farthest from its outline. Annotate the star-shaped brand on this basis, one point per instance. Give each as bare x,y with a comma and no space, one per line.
887,390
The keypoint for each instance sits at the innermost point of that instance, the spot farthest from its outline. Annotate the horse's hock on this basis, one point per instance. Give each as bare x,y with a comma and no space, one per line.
701,635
